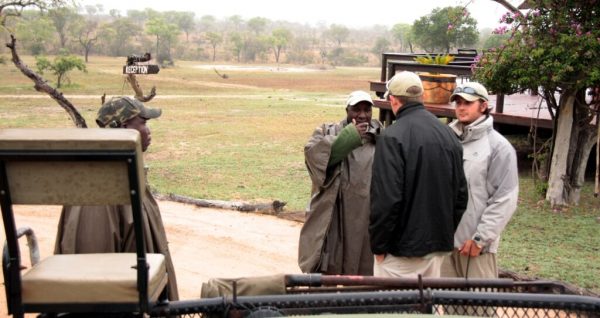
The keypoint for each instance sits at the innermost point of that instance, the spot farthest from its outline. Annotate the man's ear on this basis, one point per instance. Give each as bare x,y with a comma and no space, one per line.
483,106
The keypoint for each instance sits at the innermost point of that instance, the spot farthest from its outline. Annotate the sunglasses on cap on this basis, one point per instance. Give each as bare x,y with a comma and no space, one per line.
468,90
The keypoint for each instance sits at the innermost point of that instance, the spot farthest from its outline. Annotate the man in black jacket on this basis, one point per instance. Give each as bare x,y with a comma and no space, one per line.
418,188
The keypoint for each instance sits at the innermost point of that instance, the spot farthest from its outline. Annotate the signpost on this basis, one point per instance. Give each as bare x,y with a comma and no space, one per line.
141,69
134,67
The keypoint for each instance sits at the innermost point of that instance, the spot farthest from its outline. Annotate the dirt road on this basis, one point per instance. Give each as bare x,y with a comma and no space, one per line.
204,243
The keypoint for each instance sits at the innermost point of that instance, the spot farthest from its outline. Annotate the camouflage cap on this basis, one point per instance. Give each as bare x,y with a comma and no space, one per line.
121,109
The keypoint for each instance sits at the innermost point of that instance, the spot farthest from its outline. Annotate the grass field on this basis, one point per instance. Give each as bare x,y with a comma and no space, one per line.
242,138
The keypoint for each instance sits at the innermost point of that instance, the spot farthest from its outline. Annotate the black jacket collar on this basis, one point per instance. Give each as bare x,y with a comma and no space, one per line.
408,107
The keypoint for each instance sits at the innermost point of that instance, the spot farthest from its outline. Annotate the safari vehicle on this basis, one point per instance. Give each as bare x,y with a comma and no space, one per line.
103,166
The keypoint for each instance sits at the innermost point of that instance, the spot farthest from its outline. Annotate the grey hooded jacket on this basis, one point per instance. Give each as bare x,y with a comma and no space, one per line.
490,164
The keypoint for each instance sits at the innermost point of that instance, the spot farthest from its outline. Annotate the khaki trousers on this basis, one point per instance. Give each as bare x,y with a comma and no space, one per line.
409,267
482,266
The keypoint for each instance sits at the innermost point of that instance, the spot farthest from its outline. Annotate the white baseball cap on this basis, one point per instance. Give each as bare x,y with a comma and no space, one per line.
357,97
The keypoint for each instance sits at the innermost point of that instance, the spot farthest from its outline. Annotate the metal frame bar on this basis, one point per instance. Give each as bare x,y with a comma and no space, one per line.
12,261
421,301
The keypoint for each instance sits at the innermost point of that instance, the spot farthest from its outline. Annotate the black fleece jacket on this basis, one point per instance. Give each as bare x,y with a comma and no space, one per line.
418,188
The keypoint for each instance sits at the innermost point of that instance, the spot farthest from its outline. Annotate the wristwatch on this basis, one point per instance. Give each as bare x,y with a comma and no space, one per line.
478,241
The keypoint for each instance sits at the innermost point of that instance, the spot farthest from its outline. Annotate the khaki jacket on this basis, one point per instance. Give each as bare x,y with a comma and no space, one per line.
335,239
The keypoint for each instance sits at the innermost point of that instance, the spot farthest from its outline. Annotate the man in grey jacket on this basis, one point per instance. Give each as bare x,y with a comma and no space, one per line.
490,165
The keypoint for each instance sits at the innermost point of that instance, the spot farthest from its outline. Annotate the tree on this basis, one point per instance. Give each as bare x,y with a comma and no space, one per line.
34,30
86,30
62,17
207,22
300,50
236,21
214,39
61,66
255,47
381,45
257,24
237,44
165,32
338,33
279,40
403,35
445,28
116,36
185,21
137,16
554,48
157,27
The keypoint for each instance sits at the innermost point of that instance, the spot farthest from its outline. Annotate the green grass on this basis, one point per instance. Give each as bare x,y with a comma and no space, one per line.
562,246
242,138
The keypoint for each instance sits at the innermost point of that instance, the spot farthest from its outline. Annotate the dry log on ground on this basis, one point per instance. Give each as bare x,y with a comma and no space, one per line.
42,86
270,208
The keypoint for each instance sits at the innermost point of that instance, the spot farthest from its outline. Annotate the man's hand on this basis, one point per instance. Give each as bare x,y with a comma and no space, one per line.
379,258
362,128
362,131
469,248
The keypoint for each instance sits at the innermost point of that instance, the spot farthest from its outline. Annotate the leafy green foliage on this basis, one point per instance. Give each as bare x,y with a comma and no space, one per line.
279,40
402,33
381,45
556,46
61,66
443,29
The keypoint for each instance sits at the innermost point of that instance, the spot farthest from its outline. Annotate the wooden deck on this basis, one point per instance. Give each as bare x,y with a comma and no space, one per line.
511,111
518,110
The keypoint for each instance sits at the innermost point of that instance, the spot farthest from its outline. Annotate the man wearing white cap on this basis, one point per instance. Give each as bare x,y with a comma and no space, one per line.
335,239
418,189
490,164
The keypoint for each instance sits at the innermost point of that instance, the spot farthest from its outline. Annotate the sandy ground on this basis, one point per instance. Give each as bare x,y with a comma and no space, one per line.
204,243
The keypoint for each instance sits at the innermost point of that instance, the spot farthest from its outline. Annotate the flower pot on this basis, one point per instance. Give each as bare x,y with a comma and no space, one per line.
438,87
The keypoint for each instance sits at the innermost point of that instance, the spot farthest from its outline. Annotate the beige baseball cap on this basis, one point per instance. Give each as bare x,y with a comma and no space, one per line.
470,91
357,97
400,84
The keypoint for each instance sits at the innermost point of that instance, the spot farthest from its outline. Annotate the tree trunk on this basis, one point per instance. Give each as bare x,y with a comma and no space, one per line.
87,53
583,138
558,168
277,51
580,164
574,140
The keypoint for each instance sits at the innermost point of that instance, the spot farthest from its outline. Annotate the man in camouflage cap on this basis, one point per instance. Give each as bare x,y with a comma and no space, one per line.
109,229
126,112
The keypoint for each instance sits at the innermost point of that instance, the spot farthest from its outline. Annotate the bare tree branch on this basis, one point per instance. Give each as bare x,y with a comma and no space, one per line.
42,86
18,6
139,94
507,5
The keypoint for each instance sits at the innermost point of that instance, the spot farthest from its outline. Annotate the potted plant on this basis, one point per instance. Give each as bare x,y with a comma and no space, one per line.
438,87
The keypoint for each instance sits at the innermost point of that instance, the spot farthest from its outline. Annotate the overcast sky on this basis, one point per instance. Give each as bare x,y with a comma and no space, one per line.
351,13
